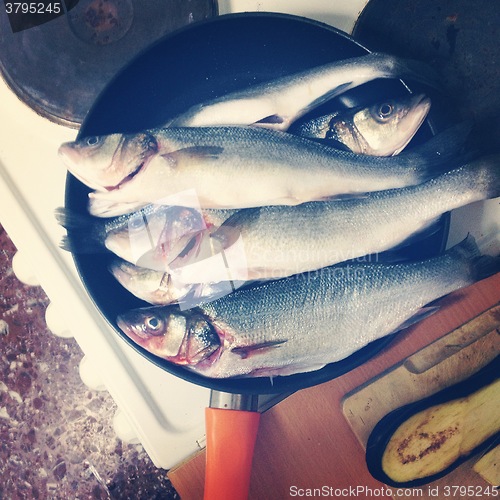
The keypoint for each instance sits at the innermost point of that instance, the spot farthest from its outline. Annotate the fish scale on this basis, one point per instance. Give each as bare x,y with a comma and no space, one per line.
278,241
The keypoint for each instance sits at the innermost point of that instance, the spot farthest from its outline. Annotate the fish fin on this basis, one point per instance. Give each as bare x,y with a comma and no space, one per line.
423,313
412,69
280,371
481,266
245,351
271,120
330,141
205,152
84,233
489,243
334,143
345,196
443,152
284,123
228,233
198,296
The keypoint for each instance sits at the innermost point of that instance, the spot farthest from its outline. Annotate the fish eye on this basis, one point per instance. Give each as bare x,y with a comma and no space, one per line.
385,110
92,140
153,325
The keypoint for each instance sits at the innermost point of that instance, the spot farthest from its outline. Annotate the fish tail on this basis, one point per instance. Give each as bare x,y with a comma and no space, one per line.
486,175
481,266
84,233
412,69
475,180
494,185
442,153
485,266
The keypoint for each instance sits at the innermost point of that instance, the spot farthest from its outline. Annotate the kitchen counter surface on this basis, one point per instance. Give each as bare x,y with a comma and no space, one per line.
57,439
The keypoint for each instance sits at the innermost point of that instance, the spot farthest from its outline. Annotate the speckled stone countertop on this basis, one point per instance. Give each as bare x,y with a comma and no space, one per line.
57,439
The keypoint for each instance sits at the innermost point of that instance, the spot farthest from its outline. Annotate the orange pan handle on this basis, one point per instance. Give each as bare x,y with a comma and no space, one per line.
231,436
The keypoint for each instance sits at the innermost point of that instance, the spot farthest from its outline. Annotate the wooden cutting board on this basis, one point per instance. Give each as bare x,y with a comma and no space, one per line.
447,361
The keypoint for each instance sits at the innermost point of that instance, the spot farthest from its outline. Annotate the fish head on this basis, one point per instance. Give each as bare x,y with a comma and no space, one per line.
104,162
171,335
155,236
155,287
182,233
382,129
135,235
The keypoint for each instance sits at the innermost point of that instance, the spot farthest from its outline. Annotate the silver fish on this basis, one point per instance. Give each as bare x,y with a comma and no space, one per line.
278,103
161,288
304,322
277,241
382,129
152,236
221,165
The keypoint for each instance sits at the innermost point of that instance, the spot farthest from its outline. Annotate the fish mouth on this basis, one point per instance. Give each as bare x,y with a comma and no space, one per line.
84,180
129,331
140,167
420,99
69,158
94,184
422,104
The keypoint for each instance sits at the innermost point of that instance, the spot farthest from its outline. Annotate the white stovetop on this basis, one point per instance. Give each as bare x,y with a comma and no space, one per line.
165,413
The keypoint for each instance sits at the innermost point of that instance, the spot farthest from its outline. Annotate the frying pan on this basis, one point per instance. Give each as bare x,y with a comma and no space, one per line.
196,64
